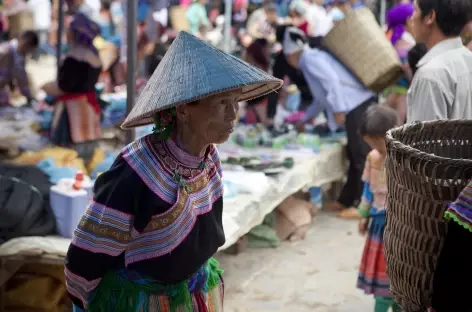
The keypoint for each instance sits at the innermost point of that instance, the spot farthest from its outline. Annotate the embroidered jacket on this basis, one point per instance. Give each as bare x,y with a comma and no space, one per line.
157,211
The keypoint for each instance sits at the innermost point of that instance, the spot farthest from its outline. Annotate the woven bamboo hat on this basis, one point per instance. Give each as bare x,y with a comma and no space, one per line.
191,70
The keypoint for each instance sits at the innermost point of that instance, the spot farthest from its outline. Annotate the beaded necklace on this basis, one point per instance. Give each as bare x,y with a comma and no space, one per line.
164,126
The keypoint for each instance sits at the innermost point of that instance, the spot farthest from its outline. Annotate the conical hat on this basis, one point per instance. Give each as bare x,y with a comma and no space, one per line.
191,70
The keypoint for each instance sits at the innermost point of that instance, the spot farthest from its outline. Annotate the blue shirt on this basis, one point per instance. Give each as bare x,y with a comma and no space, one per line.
333,87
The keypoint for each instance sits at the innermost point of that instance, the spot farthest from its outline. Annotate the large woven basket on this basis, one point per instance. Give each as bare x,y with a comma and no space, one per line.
428,165
19,23
361,45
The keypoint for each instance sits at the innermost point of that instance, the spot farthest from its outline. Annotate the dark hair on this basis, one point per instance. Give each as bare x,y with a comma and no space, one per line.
106,4
30,38
257,50
377,120
415,55
152,61
451,15
280,32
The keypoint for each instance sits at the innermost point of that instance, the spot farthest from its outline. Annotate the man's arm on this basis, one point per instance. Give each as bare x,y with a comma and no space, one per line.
316,107
428,100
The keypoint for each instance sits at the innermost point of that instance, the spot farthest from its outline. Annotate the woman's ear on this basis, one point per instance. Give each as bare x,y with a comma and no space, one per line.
182,112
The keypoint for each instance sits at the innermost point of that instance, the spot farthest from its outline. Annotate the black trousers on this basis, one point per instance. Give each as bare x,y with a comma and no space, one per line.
356,150
451,286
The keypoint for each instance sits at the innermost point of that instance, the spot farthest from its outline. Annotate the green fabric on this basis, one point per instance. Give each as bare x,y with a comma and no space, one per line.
118,294
383,304
396,89
448,216
264,235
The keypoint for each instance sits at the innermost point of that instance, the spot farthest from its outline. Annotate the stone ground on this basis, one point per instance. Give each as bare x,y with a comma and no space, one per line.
317,274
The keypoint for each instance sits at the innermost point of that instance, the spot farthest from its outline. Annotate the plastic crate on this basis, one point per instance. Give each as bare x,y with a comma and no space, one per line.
68,208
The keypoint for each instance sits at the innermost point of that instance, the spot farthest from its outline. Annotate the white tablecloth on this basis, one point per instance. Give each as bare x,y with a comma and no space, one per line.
241,213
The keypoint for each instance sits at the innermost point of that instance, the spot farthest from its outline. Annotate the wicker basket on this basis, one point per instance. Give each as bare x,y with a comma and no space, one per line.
19,23
428,165
361,45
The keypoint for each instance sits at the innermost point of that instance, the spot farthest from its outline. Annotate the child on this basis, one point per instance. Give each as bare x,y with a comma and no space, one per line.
373,279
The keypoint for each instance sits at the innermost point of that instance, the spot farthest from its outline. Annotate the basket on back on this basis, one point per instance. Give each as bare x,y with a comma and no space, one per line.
362,46
428,165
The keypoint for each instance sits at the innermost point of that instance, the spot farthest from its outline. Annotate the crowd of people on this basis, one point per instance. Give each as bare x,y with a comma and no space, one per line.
172,220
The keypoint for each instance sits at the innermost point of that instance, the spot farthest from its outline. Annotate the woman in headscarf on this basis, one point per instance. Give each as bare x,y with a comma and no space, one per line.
76,121
398,18
147,239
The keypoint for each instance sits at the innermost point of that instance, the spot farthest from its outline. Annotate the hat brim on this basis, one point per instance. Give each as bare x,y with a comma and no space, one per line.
192,70
249,92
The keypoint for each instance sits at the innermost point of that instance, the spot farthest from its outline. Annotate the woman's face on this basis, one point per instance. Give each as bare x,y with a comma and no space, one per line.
211,120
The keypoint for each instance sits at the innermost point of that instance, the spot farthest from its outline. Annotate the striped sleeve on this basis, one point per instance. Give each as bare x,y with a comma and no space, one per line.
460,211
103,234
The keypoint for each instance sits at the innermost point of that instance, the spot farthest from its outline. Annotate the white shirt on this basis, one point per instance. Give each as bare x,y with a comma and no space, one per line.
320,22
442,86
95,5
41,13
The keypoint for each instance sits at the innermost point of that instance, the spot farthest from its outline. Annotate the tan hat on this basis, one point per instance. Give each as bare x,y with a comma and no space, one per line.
191,70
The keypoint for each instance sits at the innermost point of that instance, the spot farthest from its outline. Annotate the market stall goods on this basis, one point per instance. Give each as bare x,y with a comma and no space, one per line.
428,165
361,45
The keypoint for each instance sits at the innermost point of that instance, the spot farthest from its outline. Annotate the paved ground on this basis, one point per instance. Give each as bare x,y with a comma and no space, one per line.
317,274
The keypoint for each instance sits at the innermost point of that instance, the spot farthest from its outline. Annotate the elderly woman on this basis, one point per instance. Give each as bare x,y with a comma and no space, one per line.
147,239
398,19
76,121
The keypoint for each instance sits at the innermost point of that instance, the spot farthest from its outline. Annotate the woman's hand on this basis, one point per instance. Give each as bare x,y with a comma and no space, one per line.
363,226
